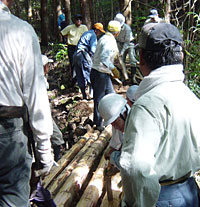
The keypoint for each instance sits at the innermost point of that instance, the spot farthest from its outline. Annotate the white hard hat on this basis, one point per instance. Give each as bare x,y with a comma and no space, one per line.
114,26
46,60
120,18
130,94
110,107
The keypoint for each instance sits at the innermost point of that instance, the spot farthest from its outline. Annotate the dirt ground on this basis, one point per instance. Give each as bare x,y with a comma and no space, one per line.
72,114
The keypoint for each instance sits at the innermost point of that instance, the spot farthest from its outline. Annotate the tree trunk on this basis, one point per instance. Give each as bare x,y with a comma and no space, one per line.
44,22
86,12
100,11
29,10
92,9
167,10
67,12
125,8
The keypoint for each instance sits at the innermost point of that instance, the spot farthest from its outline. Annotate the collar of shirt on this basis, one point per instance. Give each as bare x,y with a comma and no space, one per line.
4,7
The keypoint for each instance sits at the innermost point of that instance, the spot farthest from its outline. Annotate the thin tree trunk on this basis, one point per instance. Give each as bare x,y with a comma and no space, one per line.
85,12
92,9
29,10
44,22
167,10
55,19
67,12
125,7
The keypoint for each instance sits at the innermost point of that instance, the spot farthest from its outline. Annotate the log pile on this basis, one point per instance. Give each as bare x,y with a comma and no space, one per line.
78,181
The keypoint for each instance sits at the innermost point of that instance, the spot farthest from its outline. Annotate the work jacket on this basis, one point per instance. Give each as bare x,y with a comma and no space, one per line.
124,38
105,53
162,136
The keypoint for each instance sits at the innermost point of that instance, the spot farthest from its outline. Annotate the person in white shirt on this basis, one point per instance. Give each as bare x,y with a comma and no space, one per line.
114,109
57,137
22,87
103,68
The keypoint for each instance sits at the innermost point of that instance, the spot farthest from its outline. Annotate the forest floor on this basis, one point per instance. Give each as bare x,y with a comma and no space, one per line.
72,114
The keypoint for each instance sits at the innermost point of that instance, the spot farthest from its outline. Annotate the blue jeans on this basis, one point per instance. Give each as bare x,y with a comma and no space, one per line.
15,164
114,158
179,195
102,85
83,69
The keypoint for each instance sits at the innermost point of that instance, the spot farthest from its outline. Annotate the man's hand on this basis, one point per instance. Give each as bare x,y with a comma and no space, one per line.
115,73
107,153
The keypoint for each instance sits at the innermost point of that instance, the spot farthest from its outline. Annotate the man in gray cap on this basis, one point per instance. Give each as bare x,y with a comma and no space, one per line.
154,17
160,151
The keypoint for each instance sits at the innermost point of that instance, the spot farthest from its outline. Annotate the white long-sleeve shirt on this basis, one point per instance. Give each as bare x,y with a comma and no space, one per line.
21,74
105,53
162,136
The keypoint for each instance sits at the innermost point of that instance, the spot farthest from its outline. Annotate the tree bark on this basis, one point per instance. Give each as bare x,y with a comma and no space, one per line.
125,8
167,10
44,22
67,12
86,13
71,188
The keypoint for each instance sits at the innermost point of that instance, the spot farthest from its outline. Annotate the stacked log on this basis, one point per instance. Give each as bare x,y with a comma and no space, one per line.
79,179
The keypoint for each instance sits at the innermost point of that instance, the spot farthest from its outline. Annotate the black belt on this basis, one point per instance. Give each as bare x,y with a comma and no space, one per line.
10,112
179,180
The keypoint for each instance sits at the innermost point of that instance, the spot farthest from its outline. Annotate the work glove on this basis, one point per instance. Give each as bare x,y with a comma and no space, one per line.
115,73
46,160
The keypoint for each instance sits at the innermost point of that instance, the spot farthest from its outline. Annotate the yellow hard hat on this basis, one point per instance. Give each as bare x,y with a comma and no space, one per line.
114,26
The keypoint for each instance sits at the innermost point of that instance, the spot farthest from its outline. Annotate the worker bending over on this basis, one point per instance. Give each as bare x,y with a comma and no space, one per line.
82,59
125,43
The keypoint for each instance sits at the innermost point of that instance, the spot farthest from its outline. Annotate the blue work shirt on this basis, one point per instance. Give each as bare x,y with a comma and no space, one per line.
61,19
87,42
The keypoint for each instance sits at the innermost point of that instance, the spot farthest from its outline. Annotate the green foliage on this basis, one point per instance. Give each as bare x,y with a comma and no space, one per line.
59,51
192,56
193,66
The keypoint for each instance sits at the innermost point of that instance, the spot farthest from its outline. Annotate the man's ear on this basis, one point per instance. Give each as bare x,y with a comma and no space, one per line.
142,62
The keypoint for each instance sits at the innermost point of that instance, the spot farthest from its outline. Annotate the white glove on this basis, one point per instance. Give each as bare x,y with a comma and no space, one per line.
46,159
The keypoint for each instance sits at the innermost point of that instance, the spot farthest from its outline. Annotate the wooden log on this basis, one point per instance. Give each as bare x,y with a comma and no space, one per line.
95,187
63,162
116,191
67,158
70,189
58,182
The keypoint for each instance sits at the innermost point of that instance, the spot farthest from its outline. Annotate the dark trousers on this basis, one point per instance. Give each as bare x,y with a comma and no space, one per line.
71,50
15,164
102,85
179,195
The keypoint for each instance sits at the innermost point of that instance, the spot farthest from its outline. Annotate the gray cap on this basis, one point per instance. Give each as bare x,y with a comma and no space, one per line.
158,36
153,13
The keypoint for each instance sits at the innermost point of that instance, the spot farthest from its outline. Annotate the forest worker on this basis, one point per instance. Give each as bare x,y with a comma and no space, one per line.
103,67
125,43
22,83
73,33
82,59
114,109
57,137
154,17
160,152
